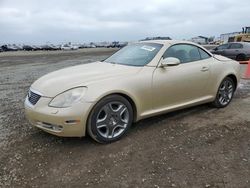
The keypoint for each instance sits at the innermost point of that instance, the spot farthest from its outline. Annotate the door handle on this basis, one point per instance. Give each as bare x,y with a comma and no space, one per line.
203,69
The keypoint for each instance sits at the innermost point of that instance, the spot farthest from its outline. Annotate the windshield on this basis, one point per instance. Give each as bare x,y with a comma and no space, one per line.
138,54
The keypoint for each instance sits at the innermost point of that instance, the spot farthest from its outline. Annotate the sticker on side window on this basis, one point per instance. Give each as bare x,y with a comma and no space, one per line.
148,48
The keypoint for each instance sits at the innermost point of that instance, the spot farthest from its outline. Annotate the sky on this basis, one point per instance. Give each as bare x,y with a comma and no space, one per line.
78,21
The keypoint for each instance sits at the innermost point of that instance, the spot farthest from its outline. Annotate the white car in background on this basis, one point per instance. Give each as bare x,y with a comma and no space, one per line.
69,47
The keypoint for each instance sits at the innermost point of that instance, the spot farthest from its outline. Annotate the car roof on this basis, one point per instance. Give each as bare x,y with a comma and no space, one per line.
239,42
172,42
243,43
169,42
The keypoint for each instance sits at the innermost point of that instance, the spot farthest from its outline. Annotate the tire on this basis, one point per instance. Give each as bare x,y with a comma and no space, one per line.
110,119
241,57
225,93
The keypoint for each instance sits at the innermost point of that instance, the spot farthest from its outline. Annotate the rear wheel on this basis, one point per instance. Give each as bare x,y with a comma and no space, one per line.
225,93
110,119
241,57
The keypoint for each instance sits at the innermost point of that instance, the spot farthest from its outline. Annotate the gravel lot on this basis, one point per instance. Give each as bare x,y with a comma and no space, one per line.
196,147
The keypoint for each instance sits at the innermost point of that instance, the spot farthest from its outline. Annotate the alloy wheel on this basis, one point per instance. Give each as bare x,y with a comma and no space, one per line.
226,92
112,120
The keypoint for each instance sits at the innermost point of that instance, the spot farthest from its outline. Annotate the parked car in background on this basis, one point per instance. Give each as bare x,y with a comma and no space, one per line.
117,44
57,47
91,45
54,47
28,48
1,50
36,47
101,44
17,47
239,51
46,47
103,98
69,47
156,38
9,47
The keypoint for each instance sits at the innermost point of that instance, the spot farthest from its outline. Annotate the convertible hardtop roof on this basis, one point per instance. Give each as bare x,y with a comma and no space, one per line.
172,42
168,42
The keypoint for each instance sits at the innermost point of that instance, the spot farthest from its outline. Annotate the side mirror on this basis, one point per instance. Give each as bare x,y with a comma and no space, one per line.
170,61
215,49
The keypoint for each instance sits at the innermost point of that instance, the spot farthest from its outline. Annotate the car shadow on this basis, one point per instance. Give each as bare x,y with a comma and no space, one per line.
175,115
144,124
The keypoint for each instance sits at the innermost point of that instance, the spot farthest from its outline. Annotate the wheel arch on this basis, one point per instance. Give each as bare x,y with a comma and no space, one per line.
221,78
234,78
131,101
240,55
126,96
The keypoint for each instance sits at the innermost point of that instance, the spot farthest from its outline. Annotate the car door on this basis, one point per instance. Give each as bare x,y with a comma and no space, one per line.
220,50
233,50
183,83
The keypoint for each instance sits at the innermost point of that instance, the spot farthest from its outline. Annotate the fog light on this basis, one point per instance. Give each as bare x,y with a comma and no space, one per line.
50,126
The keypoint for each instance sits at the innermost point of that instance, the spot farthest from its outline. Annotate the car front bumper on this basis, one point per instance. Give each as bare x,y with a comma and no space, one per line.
65,122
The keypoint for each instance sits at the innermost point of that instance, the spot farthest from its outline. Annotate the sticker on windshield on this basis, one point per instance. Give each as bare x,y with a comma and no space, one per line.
148,48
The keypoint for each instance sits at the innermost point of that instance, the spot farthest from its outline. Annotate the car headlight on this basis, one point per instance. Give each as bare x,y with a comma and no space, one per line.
68,98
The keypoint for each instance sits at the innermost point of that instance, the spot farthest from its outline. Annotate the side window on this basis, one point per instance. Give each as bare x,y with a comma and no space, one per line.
204,55
236,46
184,52
222,47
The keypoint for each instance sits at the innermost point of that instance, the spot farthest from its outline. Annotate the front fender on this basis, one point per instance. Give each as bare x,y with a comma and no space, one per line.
137,87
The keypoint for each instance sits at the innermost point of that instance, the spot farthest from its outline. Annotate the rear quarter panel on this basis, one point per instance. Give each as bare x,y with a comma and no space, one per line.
221,69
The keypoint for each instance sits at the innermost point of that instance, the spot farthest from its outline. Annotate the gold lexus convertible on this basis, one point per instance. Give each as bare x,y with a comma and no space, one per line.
141,80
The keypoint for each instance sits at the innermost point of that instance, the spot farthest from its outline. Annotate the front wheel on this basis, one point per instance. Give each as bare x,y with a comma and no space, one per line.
225,93
110,119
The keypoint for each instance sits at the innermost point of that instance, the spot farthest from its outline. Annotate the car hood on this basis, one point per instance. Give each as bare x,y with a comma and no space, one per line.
59,81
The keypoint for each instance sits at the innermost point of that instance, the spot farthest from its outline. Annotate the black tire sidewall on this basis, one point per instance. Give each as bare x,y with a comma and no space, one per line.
241,57
91,126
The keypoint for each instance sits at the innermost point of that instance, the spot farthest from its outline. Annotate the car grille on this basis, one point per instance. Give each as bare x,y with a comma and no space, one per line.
33,97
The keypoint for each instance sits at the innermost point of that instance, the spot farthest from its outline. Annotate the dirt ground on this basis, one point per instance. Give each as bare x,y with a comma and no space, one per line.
196,147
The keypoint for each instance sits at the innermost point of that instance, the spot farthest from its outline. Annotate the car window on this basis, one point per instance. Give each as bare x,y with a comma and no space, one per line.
236,46
204,55
222,47
184,52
